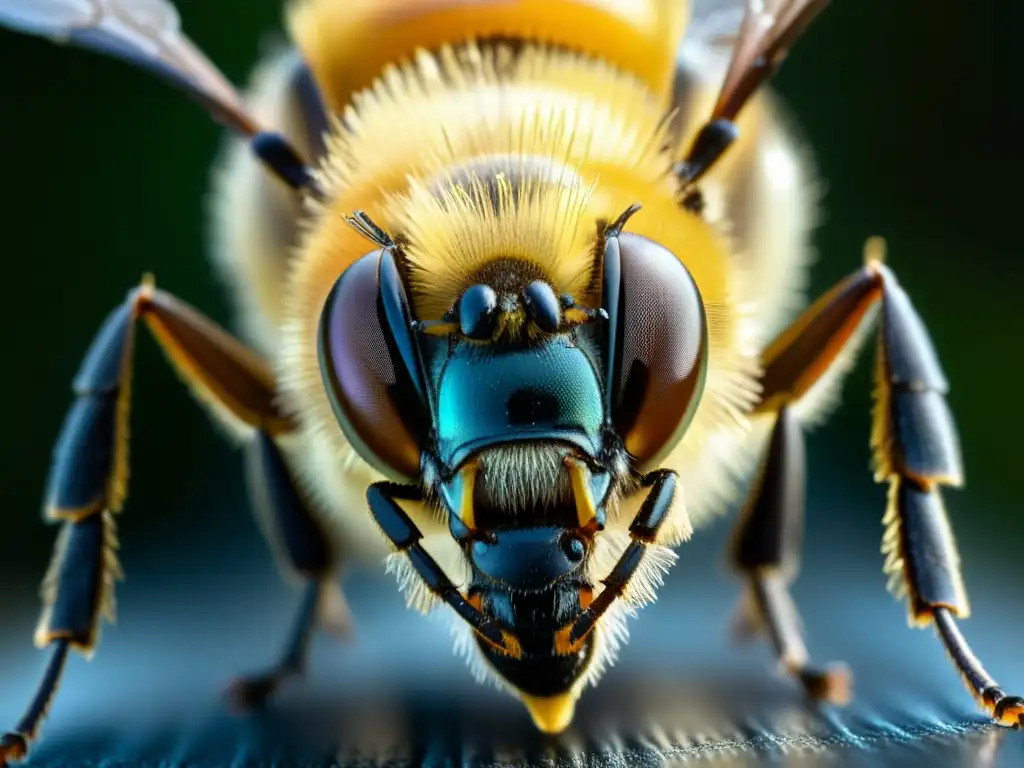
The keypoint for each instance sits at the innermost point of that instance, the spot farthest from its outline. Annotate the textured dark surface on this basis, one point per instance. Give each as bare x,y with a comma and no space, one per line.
396,695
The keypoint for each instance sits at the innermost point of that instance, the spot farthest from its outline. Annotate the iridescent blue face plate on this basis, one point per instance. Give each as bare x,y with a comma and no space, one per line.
489,395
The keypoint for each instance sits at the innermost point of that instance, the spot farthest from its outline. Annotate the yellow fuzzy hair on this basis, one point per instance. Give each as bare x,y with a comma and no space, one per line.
582,114
452,234
762,195
348,44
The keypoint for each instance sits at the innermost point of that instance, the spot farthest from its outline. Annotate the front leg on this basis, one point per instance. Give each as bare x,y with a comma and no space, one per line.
643,531
916,451
89,473
405,537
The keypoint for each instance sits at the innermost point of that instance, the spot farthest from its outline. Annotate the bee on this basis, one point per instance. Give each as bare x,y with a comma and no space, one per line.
519,284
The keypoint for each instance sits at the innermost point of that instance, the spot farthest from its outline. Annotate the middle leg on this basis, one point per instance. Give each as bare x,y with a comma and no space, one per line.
303,550
768,538
766,551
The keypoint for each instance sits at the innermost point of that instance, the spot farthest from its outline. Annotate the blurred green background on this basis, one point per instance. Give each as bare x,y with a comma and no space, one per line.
909,106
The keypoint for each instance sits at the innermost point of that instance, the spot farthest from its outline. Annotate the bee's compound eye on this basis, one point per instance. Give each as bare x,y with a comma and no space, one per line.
663,349
543,306
371,402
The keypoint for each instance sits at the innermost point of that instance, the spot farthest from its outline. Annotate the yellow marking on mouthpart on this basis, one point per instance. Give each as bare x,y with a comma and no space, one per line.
441,329
511,645
466,514
586,597
579,476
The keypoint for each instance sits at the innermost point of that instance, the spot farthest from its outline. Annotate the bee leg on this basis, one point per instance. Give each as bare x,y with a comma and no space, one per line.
763,43
88,477
916,449
766,550
303,549
767,541
405,536
14,745
1006,710
252,691
643,531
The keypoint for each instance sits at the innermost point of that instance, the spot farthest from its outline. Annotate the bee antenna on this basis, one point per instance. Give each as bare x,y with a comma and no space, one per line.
366,227
619,224
768,31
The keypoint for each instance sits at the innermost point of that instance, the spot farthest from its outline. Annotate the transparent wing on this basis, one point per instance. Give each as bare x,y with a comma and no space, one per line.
144,32
765,35
44,17
715,23
711,32
729,35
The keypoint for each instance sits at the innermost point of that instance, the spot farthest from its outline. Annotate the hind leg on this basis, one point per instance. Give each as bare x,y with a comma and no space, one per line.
916,452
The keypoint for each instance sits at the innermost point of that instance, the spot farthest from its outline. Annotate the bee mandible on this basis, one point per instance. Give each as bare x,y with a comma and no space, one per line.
517,282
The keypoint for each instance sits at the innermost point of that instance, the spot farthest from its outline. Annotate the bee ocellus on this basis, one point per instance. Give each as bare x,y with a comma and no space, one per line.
520,288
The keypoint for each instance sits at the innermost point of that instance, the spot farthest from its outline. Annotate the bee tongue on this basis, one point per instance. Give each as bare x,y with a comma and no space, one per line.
551,714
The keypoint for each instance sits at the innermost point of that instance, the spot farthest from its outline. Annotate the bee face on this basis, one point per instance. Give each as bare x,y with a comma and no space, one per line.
531,413
513,361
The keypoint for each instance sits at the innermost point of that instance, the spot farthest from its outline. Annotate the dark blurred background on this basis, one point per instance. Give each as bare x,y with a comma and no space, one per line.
910,108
